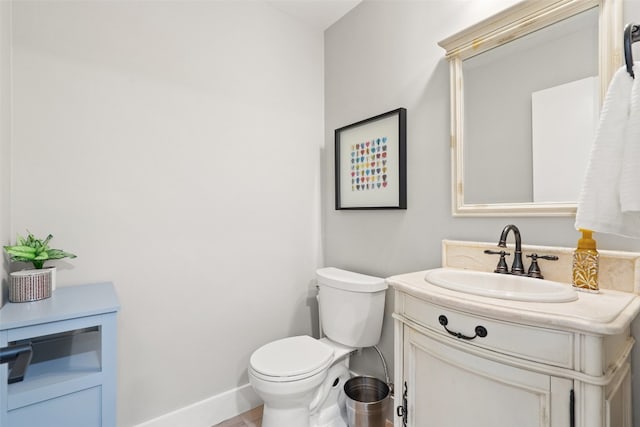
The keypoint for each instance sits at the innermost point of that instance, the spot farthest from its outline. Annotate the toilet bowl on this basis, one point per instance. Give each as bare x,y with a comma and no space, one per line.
300,379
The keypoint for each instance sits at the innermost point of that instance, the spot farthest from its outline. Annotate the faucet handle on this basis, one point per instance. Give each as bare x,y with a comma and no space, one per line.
534,268
502,264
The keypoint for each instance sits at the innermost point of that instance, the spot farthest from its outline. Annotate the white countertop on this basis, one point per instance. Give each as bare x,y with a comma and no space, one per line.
608,312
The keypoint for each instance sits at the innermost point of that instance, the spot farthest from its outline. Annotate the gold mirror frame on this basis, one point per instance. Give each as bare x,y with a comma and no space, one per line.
519,20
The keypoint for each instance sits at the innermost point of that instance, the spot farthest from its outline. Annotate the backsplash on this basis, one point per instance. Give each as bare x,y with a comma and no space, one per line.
618,270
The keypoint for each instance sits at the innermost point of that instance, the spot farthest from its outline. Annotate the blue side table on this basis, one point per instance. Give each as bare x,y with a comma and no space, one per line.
71,379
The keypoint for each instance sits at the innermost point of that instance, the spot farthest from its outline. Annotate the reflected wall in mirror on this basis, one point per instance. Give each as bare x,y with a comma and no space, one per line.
526,86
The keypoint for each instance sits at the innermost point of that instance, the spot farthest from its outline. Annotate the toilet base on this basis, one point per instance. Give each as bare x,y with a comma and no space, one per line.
333,412
330,417
298,417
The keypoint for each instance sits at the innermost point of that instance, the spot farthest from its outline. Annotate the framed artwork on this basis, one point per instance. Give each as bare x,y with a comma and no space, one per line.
370,163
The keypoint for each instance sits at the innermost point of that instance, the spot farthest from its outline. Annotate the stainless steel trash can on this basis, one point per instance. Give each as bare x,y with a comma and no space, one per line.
367,402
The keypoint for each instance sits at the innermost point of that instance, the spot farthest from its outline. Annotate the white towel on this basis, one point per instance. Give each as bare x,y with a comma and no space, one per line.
630,175
599,202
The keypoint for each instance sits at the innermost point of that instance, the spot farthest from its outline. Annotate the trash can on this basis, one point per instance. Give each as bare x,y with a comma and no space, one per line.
367,402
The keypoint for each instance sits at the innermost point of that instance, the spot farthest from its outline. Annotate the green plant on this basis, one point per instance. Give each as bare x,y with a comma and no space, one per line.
35,251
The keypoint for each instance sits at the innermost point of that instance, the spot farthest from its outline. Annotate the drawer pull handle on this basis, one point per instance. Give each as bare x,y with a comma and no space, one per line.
481,331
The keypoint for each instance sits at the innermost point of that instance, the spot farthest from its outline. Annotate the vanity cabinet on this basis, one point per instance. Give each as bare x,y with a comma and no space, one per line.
71,379
452,387
475,361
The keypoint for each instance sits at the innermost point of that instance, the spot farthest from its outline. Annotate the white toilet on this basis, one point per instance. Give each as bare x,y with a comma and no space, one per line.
301,379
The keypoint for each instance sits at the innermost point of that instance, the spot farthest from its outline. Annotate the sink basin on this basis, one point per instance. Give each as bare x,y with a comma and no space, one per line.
502,286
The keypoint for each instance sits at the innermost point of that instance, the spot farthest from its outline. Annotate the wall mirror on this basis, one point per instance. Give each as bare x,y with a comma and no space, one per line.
526,86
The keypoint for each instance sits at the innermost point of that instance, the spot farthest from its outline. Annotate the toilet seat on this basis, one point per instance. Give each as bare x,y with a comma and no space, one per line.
291,359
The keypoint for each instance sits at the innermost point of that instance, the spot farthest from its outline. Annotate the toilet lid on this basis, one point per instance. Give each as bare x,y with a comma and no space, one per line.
291,357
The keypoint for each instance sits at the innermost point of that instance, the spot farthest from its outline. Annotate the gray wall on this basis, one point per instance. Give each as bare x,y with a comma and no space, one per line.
174,146
381,56
5,135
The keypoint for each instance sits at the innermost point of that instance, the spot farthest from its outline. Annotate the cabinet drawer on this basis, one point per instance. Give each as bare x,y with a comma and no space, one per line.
546,346
79,409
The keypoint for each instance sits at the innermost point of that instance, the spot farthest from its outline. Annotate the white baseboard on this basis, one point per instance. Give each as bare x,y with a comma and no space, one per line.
210,411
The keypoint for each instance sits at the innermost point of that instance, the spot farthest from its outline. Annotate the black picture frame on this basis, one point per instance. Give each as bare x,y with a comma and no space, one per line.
371,163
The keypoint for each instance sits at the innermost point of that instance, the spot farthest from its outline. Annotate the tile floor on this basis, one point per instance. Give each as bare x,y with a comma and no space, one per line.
253,418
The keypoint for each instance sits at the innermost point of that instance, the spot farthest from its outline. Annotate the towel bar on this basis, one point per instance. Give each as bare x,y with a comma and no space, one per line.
631,35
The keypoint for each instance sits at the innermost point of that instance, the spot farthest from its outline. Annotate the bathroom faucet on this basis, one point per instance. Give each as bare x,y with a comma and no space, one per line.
517,268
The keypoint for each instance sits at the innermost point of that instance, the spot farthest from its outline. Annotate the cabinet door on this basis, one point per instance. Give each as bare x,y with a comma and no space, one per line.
449,387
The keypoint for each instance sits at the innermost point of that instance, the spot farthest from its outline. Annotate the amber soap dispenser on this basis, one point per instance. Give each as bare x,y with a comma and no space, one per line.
585,263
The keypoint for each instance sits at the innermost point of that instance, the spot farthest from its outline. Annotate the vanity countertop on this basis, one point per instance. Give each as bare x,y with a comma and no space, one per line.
608,312
66,302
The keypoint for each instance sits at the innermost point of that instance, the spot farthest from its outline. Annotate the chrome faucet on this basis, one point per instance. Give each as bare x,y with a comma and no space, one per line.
517,268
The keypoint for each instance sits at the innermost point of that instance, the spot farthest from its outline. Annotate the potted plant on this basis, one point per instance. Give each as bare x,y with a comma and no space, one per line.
39,282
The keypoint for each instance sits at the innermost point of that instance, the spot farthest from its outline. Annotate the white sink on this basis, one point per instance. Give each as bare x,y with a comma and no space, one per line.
502,286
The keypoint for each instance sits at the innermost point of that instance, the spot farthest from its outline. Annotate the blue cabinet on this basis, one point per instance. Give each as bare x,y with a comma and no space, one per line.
71,380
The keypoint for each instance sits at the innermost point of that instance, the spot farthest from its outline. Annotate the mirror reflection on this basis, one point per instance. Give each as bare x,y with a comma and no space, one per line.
530,109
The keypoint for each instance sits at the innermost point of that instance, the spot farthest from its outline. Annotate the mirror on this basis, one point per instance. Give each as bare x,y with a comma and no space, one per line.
526,86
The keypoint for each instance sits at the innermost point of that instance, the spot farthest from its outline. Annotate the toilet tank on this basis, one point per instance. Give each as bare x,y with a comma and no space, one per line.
351,306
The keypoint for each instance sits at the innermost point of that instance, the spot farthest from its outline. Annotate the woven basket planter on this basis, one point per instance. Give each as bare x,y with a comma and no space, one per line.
31,285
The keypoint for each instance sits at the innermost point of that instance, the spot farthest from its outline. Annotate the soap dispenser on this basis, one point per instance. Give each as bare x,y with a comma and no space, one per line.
585,263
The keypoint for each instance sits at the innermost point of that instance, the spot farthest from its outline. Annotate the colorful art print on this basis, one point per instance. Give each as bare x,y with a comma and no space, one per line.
370,163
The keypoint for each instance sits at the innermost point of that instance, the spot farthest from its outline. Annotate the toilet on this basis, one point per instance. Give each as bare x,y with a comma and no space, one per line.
300,379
